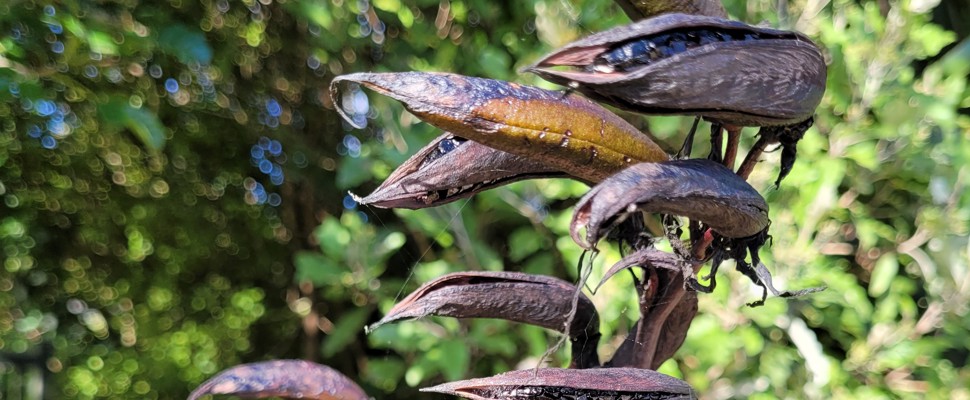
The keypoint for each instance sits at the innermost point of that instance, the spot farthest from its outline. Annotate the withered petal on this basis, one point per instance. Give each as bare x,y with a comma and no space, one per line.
698,189
281,378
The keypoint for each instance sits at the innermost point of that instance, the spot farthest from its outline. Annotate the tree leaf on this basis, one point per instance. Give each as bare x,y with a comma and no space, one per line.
188,44
143,123
345,331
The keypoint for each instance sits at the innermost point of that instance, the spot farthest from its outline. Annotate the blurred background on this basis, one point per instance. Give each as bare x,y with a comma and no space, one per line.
173,201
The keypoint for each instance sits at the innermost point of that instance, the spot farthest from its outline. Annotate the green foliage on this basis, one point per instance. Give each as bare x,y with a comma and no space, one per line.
173,188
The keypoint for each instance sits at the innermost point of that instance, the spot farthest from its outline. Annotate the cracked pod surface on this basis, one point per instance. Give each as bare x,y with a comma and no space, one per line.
563,131
726,71
452,168
556,383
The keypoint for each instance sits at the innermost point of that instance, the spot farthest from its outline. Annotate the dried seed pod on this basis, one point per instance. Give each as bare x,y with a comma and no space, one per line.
556,383
640,9
533,299
562,131
296,379
698,189
452,168
726,71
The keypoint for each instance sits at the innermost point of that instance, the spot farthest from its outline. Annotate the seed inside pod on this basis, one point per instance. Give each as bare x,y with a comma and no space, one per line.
642,51
444,146
725,71
566,393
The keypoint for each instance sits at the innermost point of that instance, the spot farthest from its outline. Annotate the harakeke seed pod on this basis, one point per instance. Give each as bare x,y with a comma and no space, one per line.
563,131
556,383
452,168
699,189
726,71
295,379
640,9
514,296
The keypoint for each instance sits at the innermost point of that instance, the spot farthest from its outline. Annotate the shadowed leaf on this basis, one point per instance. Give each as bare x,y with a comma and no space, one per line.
698,189
514,296
188,44
723,70
555,383
560,130
281,378
143,123
452,168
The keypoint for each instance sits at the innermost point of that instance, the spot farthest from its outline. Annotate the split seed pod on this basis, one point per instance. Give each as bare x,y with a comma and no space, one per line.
297,379
726,71
640,9
699,189
556,383
563,131
452,168
533,299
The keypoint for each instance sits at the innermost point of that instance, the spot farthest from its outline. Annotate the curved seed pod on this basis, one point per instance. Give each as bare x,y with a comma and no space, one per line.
452,168
296,379
562,131
640,9
648,256
556,383
533,299
698,189
726,71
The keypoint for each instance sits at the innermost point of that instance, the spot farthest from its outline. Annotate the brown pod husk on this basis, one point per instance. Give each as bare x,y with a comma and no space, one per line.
452,168
533,299
701,190
640,9
563,131
296,379
556,383
726,71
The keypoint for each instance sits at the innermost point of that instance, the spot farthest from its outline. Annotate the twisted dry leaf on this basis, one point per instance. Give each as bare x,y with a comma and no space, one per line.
514,296
555,383
452,168
562,131
281,378
702,190
723,70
